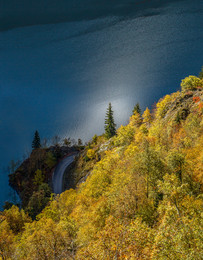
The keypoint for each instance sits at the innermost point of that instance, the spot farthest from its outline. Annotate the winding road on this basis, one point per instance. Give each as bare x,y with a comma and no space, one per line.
59,171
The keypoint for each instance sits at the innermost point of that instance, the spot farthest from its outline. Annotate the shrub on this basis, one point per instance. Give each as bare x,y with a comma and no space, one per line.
191,83
90,154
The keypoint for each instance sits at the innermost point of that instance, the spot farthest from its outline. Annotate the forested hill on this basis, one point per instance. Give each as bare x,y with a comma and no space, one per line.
141,200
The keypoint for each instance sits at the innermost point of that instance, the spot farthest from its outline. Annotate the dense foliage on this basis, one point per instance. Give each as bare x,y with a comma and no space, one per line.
31,179
142,200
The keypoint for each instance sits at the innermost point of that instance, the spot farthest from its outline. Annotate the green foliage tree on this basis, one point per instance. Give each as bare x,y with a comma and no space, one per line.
137,109
50,160
38,200
36,141
110,126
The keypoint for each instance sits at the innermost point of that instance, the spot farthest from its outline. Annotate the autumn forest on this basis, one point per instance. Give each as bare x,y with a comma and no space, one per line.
138,192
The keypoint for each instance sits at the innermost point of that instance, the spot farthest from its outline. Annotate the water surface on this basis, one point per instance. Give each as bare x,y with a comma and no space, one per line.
59,70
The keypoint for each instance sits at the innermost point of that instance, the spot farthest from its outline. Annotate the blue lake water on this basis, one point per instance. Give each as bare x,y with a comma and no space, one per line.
59,77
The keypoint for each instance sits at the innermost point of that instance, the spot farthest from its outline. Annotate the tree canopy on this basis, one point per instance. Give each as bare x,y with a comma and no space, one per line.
142,199
110,126
137,109
36,141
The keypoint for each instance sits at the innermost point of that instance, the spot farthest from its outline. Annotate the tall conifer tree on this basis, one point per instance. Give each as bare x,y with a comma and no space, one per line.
137,109
36,141
110,126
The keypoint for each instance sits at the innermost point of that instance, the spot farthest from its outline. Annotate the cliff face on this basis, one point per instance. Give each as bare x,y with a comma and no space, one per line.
37,170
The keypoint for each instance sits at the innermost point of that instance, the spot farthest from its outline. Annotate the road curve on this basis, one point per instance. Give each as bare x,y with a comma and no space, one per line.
57,178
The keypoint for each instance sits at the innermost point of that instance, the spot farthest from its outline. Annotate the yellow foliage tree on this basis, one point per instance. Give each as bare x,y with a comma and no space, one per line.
163,106
6,240
147,117
90,154
191,83
16,219
38,178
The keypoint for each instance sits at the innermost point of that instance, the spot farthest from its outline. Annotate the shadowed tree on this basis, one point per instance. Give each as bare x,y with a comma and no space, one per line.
36,141
137,109
79,142
201,74
67,141
110,126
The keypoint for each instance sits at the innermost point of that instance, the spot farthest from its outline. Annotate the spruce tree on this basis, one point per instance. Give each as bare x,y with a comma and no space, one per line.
110,126
137,109
36,141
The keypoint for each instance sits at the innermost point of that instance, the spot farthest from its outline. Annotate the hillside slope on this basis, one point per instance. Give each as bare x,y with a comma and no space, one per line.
141,200
32,180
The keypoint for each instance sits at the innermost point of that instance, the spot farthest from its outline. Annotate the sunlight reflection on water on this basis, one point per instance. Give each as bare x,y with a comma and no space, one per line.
59,78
